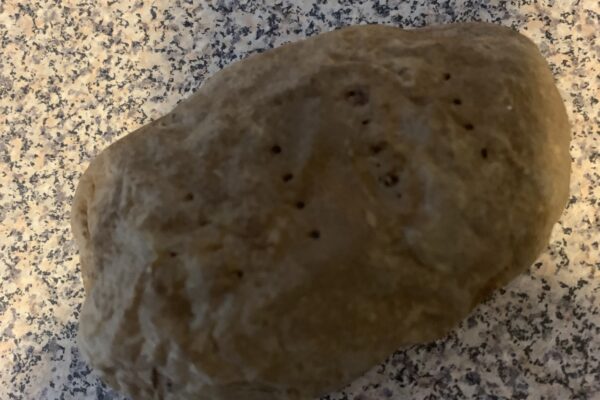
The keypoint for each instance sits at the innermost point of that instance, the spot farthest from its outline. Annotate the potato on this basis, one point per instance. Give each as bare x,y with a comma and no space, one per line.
313,208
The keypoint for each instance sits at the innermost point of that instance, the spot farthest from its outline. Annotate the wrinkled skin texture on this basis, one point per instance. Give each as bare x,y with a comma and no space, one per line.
313,208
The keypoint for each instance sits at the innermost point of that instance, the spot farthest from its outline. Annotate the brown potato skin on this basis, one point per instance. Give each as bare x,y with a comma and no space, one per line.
313,208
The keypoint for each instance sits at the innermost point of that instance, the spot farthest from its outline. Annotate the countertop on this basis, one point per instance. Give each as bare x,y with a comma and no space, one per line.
77,75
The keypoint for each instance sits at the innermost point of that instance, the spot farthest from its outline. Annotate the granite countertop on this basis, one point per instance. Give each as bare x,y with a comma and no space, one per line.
76,75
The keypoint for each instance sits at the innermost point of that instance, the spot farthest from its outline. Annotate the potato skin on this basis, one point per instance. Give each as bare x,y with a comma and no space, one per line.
315,207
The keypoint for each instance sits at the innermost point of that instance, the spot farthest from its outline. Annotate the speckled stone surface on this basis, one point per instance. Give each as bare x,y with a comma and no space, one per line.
76,75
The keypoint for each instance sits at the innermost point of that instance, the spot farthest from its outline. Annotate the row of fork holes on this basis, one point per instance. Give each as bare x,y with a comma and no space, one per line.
300,204
360,97
468,126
